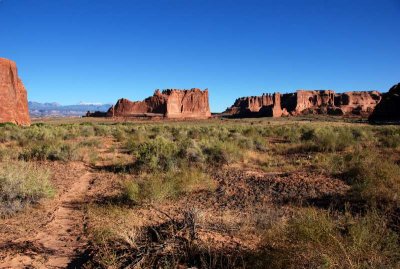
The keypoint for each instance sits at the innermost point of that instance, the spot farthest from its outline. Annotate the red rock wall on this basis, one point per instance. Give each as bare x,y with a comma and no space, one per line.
13,96
313,99
254,105
305,102
187,104
170,103
358,102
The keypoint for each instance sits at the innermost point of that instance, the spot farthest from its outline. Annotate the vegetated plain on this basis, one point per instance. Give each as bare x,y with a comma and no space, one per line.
259,193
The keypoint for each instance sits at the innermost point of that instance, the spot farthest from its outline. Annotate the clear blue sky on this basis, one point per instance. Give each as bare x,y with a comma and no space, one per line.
98,51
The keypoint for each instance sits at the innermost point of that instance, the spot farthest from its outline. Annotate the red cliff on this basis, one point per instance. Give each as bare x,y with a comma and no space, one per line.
13,96
306,102
171,103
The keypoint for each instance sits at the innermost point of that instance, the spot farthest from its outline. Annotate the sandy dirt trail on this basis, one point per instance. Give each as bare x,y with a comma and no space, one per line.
63,236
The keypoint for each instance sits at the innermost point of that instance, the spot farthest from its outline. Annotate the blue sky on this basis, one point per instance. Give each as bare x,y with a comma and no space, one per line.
98,51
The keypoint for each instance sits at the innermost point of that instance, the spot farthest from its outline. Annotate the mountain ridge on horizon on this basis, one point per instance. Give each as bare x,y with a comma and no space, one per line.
54,109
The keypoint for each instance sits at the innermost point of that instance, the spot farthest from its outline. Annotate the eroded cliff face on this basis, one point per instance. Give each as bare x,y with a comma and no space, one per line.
187,103
171,103
266,105
306,102
13,96
389,107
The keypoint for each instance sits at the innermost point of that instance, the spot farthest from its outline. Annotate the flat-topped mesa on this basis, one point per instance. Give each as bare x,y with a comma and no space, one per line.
170,103
13,96
306,102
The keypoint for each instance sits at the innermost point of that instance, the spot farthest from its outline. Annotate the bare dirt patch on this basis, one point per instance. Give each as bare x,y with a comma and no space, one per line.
55,243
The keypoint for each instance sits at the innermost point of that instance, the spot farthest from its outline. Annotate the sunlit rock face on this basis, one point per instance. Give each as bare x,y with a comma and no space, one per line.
13,96
170,103
268,105
306,102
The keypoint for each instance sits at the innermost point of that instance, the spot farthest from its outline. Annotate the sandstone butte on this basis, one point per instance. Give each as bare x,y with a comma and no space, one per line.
388,108
301,102
13,96
170,103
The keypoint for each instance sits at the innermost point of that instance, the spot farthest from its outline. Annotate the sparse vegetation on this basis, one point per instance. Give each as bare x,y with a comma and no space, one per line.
157,187
22,183
219,194
321,239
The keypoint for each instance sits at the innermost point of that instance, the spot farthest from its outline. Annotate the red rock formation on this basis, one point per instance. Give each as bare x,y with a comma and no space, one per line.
13,96
359,103
306,102
268,105
171,103
388,109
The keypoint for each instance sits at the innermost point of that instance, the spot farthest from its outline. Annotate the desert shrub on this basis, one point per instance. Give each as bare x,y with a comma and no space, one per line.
101,130
7,153
391,141
363,133
178,133
193,133
373,178
163,153
66,152
216,154
68,132
119,133
22,183
157,187
8,132
87,130
289,133
260,144
138,246
7,124
38,151
314,238
329,139
190,151
133,139
51,150
90,143
156,154
388,136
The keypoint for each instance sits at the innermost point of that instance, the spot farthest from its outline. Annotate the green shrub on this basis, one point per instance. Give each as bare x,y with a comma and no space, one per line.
8,153
90,143
22,183
158,155
101,130
87,130
216,155
52,151
315,238
119,134
133,139
190,152
373,178
157,187
391,141
329,139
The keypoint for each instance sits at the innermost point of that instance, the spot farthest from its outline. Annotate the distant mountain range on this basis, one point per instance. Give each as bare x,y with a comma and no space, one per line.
39,110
